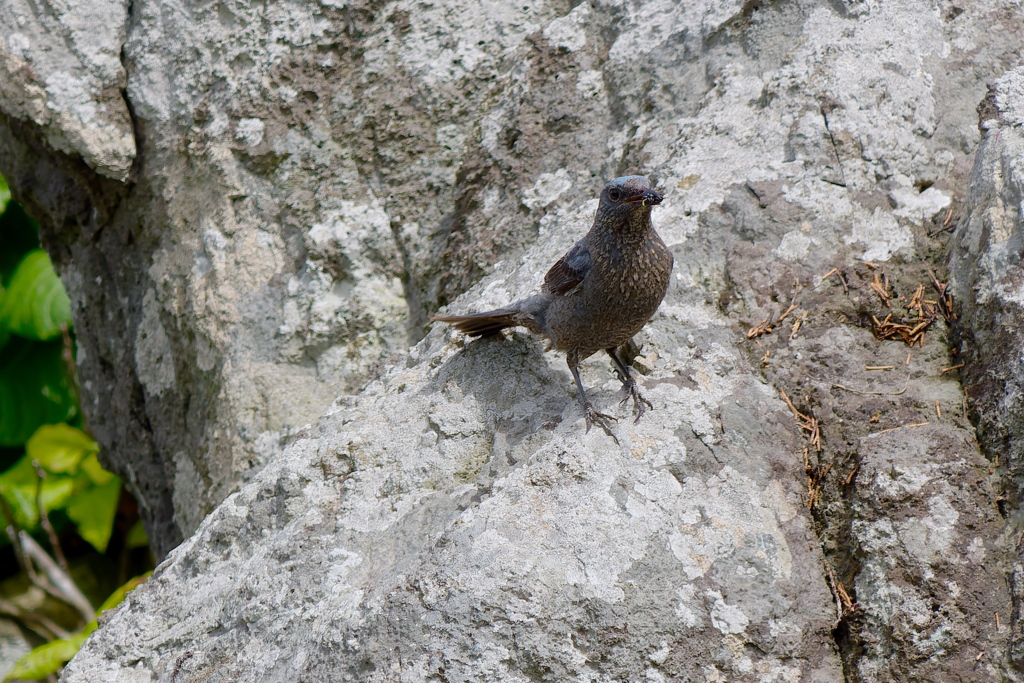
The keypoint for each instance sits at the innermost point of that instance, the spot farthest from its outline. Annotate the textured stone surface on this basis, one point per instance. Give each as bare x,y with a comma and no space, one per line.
448,524
929,604
60,69
986,277
313,180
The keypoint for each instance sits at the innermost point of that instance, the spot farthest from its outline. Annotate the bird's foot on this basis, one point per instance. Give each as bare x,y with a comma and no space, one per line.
633,391
593,417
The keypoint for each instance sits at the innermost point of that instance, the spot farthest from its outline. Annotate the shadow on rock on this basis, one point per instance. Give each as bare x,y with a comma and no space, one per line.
518,390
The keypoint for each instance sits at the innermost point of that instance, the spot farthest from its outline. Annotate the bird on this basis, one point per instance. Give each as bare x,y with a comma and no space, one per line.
599,295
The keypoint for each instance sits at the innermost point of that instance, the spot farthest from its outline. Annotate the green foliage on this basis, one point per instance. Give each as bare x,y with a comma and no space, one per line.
92,468
73,481
5,334
59,471
50,657
60,448
34,389
93,511
34,383
118,596
137,537
18,487
35,304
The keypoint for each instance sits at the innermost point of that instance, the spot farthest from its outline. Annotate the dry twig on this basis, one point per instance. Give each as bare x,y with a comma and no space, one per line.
33,620
768,324
44,520
815,478
807,423
916,301
945,302
924,311
65,587
875,393
797,322
845,606
880,290
846,288
893,429
910,334
13,529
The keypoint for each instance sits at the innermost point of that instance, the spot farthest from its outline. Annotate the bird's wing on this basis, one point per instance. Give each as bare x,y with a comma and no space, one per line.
570,270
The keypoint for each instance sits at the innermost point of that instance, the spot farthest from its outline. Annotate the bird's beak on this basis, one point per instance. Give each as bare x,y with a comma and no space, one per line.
646,198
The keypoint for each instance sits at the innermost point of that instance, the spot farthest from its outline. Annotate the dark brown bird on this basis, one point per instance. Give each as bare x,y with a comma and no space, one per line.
600,294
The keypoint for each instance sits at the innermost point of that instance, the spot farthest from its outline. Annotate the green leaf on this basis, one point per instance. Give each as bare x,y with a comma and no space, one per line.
118,596
94,470
60,447
22,501
18,487
35,305
136,537
5,194
93,511
50,657
34,389
5,334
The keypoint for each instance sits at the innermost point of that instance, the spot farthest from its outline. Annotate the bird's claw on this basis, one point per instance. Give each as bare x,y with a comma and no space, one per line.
593,417
633,391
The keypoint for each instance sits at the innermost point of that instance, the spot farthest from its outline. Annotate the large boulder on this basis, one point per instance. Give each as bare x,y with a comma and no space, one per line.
807,500
456,520
987,277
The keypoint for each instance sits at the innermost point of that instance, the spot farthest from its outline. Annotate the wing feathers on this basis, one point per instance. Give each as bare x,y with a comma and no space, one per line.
569,271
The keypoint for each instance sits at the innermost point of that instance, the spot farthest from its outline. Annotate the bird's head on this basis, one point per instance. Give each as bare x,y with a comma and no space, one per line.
628,195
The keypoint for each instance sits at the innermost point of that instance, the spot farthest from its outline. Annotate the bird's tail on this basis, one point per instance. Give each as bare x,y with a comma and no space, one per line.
479,324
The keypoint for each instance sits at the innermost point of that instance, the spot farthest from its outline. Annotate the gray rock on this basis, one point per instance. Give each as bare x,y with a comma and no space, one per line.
446,518
986,276
986,280
294,214
61,72
924,540
454,520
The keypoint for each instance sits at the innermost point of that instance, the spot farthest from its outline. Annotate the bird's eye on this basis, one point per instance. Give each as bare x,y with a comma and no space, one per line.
614,195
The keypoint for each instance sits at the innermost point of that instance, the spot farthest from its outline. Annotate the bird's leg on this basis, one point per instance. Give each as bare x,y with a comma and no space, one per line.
629,384
590,415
